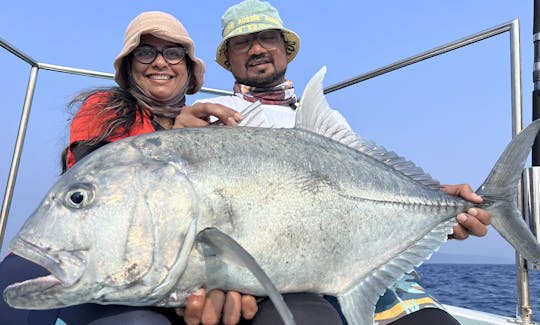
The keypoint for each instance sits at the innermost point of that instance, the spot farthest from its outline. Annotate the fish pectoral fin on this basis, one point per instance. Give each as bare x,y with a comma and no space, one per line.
224,246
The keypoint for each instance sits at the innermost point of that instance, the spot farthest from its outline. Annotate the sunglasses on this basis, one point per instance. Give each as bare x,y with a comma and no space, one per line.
146,54
269,39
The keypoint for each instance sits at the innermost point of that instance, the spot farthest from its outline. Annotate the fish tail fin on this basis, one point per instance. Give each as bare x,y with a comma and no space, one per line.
499,194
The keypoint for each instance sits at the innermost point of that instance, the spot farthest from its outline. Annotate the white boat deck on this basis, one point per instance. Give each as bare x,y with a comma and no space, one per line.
474,317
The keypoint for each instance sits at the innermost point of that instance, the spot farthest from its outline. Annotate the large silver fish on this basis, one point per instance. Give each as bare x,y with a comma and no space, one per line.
150,219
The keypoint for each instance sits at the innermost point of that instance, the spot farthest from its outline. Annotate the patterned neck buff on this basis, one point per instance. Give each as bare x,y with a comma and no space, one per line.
282,94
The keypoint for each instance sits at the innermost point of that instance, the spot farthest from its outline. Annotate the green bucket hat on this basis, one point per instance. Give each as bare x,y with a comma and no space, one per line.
251,16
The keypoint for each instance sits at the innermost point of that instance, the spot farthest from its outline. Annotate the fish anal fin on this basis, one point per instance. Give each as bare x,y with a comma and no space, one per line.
358,303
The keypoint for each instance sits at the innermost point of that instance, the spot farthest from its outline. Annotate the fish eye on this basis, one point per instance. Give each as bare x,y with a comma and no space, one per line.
79,196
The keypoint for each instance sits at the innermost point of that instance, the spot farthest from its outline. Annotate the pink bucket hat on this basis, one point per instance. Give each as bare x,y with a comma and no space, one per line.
166,27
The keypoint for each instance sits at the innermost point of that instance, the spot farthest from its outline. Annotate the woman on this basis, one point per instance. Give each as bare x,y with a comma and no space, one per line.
156,68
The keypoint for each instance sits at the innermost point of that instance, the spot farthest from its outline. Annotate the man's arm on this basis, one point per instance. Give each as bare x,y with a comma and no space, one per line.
218,305
475,220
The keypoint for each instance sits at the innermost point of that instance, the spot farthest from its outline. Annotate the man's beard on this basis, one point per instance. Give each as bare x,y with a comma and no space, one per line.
263,81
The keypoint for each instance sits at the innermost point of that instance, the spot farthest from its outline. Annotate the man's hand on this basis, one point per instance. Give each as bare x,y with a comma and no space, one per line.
475,220
198,115
218,305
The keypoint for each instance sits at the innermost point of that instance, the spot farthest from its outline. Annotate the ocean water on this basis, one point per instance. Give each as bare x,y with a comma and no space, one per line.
485,287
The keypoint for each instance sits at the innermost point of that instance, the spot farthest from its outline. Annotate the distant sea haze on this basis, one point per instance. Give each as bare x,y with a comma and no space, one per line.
439,257
486,287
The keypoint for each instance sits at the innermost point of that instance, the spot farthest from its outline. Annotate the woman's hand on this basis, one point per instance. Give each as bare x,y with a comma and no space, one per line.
198,115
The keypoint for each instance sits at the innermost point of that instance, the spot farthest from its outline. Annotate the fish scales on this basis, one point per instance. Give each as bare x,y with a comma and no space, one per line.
245,192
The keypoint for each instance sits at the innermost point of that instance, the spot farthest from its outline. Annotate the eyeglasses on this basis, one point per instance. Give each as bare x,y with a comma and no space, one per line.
146,54
269,39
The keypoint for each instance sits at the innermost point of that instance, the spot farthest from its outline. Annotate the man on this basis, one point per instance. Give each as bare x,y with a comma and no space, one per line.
256,48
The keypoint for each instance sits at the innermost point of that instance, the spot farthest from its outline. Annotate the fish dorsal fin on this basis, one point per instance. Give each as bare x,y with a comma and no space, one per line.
358,304
254,116
314,114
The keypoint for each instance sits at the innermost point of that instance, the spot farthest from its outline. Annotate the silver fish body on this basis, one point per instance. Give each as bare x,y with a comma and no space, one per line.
316,214
298,202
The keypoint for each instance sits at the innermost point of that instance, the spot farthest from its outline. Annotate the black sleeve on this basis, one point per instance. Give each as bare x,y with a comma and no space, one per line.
81,149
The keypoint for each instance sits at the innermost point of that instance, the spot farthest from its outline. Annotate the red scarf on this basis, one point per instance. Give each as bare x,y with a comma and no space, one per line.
282,94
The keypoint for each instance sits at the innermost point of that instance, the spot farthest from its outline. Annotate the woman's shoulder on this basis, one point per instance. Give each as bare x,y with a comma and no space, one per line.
99,96
92,105
95,100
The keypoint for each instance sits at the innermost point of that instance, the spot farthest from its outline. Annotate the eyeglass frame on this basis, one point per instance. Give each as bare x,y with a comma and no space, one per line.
254,36
160,52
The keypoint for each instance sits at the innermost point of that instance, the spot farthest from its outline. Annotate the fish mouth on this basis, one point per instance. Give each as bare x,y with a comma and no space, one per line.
66,267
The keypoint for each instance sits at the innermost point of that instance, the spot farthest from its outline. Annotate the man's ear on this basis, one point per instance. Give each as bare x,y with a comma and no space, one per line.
289,48
227,63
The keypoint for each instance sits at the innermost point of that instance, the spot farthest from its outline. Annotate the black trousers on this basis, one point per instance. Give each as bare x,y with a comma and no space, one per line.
307,308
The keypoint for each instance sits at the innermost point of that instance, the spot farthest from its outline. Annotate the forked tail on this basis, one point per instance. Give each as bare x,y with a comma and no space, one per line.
499,192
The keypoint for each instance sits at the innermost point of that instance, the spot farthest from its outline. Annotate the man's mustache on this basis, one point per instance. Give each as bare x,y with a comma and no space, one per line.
255,57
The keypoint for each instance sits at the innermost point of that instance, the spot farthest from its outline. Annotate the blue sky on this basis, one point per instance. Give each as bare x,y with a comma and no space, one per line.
450,114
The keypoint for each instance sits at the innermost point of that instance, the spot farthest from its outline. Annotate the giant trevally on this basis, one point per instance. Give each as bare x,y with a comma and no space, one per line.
150,219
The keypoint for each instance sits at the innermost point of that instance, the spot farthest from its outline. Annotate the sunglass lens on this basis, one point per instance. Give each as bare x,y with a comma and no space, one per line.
268,39
174,54
145,54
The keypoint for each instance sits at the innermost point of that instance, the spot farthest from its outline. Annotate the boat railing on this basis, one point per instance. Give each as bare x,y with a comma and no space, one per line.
527,202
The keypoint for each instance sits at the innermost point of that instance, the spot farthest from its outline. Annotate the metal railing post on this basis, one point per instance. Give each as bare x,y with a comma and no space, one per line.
17,151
